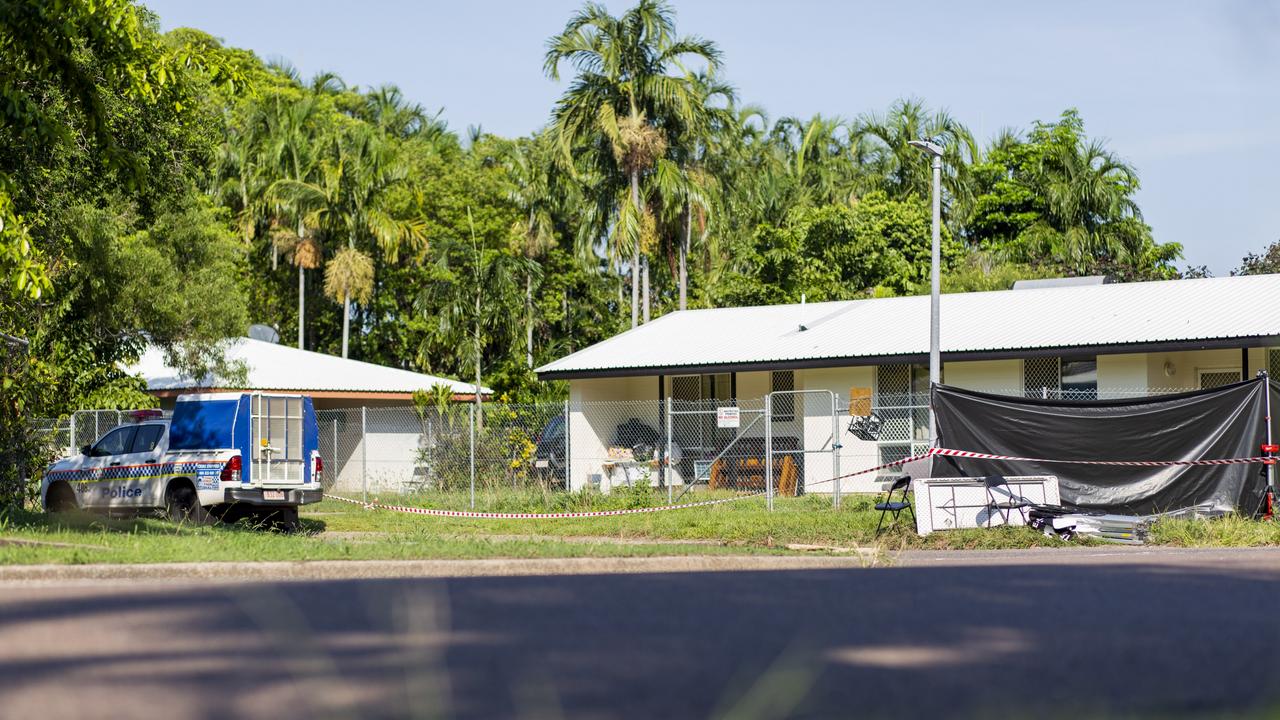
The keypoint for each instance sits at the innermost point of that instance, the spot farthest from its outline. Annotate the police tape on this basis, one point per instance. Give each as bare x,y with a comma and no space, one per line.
1260,460
592,513
946,452
535,516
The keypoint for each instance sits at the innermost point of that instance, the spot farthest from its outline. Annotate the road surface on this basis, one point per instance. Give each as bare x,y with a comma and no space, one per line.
1062,634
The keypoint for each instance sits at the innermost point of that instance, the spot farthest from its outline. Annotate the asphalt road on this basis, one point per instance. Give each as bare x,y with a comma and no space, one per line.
1063,635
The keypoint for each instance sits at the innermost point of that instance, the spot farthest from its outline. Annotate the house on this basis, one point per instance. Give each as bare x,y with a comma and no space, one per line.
355,443
1082,339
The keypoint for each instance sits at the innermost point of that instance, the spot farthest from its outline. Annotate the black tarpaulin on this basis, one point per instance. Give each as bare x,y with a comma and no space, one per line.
1226,422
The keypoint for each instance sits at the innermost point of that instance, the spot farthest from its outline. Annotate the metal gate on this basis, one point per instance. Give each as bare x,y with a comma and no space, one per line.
276,429
807,422
717,443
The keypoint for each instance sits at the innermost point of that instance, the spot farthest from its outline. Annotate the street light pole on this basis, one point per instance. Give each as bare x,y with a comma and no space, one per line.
934,151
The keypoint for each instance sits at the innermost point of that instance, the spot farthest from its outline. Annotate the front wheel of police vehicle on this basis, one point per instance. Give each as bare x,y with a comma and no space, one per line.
60,498
182,504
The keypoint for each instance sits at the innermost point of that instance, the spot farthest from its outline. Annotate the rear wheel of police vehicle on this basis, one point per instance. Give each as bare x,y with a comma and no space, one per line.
281,519
182,504
60,498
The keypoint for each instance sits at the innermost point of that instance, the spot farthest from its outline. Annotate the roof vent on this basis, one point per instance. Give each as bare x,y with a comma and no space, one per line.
1062,282
265,333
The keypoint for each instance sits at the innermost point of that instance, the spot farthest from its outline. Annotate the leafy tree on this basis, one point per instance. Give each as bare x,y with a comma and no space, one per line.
621,109
878,246
1058,200
1268,261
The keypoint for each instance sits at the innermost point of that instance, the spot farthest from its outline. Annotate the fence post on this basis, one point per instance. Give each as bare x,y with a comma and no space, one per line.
364,453
666,476
835,450
472,415
71,442
568,463
768,450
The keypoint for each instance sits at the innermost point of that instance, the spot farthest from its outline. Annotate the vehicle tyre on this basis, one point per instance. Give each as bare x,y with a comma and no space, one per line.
60,498
182,504
281,519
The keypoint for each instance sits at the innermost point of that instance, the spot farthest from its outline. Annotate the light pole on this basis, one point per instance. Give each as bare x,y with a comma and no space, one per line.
934,151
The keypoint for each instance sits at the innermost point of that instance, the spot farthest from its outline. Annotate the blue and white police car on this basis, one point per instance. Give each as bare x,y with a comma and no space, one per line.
219,454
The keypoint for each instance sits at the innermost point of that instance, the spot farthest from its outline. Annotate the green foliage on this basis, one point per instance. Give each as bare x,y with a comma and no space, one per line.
1059,201
1268,261
876,247
164,189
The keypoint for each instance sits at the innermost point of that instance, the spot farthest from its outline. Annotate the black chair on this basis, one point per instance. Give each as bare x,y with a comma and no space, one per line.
890,506
1007,503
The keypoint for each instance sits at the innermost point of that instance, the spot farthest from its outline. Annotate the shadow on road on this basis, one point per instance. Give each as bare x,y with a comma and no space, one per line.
1008,641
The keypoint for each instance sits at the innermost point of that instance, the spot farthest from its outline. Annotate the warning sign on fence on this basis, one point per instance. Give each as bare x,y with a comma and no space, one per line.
728,417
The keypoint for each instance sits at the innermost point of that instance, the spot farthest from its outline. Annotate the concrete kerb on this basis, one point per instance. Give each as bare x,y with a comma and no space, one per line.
370,569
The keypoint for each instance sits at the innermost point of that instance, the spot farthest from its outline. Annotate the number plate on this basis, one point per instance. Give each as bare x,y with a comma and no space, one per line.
542,463
272,494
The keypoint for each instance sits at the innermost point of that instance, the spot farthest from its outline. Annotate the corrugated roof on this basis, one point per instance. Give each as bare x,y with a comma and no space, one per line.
986,322
280,367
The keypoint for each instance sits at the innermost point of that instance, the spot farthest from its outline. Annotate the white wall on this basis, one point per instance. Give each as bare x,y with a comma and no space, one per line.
984,375
596,407
1122,375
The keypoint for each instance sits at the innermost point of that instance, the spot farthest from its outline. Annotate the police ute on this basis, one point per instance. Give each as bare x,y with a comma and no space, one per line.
223,455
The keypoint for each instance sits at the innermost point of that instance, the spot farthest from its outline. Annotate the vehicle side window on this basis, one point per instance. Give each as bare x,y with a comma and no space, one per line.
116,442
146,439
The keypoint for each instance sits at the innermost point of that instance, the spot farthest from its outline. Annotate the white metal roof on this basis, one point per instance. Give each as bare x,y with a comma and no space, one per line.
1124,314
280,367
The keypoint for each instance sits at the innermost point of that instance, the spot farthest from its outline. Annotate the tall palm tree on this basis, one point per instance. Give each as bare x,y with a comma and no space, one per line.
622,103
292,148
472,287
901,169
1088,195
690,193
529,167
349,200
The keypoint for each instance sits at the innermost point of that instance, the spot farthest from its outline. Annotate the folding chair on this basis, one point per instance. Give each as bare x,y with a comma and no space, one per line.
889,506
1007,504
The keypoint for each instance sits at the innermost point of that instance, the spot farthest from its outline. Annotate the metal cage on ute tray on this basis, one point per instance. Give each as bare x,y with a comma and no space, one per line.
275,428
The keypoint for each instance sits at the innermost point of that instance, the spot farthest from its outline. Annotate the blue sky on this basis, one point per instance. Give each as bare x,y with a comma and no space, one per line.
1186,91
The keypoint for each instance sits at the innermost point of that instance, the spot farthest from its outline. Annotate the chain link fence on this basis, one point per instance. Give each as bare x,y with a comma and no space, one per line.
802,438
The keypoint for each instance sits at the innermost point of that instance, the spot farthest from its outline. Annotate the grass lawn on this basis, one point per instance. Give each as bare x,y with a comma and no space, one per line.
341,531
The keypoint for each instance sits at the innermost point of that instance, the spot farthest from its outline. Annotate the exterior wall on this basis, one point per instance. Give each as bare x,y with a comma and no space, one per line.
999,376
596,407
1186,366
854,453
1120,375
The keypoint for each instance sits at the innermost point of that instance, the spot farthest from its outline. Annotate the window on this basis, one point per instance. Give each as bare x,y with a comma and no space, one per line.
1068,378
1080,378
1215,378
694,388
146,439
116,442
784,406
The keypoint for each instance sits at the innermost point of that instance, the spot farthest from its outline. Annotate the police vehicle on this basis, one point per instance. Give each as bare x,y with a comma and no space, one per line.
220,454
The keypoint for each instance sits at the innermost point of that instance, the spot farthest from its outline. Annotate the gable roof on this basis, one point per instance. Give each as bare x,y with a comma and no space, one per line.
1124,317
280,367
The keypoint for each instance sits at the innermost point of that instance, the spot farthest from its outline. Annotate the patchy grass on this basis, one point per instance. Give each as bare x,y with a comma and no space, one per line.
341,531
1229,531
742,523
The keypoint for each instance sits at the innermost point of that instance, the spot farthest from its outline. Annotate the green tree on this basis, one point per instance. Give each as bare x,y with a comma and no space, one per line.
1059,200
620,108
1268,261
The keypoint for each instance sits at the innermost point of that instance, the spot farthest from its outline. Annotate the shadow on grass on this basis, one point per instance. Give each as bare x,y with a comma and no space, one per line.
136,523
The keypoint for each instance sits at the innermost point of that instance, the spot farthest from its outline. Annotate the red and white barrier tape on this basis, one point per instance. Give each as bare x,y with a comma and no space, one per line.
947,452
535,516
